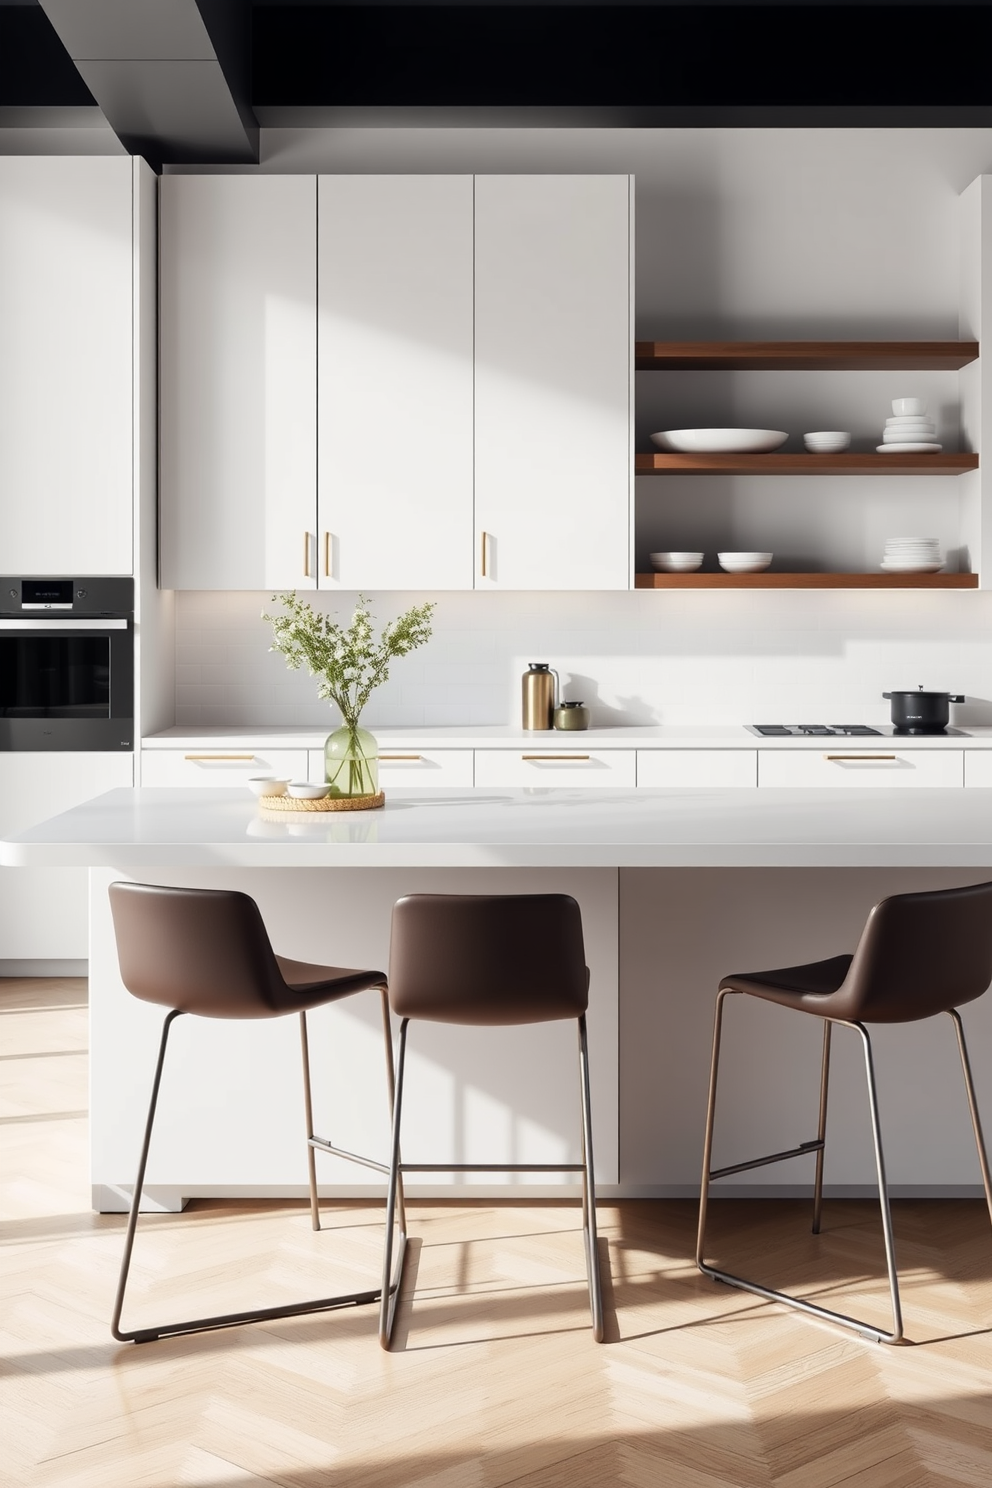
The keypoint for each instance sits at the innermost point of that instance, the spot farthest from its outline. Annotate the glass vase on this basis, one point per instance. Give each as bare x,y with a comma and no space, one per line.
351,762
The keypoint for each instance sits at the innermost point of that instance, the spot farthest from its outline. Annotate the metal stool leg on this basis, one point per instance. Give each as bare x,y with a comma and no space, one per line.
704,1183
308,1111
821,1130
589,1191
390,1292
976,1123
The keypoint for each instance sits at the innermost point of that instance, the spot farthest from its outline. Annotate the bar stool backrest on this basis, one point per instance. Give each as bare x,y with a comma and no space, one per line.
201,951
487,959
921,954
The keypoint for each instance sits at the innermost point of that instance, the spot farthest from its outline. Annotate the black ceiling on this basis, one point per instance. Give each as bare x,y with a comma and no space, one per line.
899,63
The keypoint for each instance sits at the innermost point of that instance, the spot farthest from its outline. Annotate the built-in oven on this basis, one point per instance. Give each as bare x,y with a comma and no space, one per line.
66,664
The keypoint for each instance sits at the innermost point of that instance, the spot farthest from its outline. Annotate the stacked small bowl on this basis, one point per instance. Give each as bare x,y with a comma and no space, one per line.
912,555
909,431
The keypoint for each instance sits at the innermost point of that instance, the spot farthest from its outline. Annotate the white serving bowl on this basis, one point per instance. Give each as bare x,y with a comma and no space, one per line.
744,562
902,407
306,790
719,441
267,785
676,562
827,441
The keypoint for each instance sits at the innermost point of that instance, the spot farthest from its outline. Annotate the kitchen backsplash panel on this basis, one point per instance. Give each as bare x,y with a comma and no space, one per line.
634,658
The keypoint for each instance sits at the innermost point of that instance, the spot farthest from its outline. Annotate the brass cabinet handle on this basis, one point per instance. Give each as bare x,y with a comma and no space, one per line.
556,756
218,756
327,555
306,555
485,555
837,757
400,757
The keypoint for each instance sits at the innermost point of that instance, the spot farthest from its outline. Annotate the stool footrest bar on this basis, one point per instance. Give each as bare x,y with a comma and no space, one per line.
490,1168
762,1162
877,1335
323,1145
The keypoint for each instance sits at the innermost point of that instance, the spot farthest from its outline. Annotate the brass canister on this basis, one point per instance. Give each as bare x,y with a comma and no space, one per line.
539,695
571,716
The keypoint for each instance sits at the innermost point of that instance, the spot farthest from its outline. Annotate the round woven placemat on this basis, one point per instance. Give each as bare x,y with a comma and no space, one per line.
325,803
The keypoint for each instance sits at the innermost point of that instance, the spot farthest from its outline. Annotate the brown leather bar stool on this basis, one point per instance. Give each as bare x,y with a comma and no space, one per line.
490,960
919,954
206,951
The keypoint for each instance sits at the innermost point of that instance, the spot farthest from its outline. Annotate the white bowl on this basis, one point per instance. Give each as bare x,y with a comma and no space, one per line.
827,441
306,790
719,441
676,562
905,406
267,785
744,562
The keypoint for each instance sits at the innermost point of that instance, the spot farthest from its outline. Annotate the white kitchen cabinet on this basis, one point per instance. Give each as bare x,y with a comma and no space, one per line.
43,910
66,365
213,767
553,374
978,767
548,762
425,767
395,382
848,765
238,382
691,767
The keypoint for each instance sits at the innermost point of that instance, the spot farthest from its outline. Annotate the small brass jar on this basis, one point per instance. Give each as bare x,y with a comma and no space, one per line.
571,716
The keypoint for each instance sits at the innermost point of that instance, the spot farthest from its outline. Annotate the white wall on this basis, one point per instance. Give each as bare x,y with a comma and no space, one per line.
740,233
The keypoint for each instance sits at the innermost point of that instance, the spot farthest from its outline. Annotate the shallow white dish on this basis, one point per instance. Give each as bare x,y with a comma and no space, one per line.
676,562
890,567
719,441
921,433
306,790
915,422
908,449
267,785
744,562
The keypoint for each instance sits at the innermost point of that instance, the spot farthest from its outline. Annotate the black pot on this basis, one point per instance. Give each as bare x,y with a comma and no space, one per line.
921,712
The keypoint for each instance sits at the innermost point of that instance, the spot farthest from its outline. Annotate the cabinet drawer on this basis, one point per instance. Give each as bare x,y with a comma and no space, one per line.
555,764
219,766
978,767
880,765
676,767
402,767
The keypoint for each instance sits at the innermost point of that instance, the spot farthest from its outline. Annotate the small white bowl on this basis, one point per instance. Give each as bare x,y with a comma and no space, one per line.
744,562
827,441
306,790
267,785
676,562
904,406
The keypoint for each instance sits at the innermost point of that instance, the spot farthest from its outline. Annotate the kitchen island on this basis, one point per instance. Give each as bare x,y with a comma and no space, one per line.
676,889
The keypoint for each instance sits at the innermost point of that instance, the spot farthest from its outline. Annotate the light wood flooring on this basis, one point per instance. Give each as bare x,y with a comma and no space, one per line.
494,1378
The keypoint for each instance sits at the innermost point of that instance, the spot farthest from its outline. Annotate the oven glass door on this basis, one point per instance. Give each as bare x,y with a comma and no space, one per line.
54,676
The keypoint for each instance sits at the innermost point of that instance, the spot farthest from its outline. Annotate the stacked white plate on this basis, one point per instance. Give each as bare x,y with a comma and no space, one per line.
909,431
912,555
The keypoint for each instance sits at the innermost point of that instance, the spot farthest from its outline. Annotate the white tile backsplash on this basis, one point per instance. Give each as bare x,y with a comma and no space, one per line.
637,658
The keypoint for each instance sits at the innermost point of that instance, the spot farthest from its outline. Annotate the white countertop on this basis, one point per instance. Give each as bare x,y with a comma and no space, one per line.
494,736
202,827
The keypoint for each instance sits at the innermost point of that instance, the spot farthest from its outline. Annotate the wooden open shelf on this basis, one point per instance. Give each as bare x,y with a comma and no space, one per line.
768,580
945,463
798,356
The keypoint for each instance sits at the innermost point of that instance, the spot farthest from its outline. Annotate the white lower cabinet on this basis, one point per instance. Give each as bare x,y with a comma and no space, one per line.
685,767
429,767
978,767
43,910
555,764
881,765
220,766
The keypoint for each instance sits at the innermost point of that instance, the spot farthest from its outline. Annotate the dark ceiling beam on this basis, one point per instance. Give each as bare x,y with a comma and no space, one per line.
171,76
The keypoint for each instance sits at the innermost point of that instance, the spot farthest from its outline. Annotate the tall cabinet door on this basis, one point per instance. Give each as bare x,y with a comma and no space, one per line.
65,365
238,382
395,382
553,353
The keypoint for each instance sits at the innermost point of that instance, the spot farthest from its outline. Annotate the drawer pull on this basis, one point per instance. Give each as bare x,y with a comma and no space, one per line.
248,757
556,756
861,757
485,555
328,550
388,757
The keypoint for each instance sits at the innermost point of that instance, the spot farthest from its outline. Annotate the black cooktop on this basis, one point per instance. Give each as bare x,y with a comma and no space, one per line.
843,730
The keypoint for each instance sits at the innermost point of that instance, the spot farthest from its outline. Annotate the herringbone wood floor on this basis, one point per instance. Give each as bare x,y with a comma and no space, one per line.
495,1378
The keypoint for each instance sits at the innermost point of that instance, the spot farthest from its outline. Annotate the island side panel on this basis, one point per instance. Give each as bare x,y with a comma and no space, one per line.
681,930
230,1114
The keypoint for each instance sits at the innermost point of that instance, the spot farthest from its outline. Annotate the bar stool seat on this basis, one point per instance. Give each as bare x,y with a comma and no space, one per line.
206,952
490,960
919,954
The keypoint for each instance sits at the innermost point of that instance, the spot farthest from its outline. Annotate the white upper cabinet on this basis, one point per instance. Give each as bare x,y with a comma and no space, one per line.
553,378
238,382
395,386
65,365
